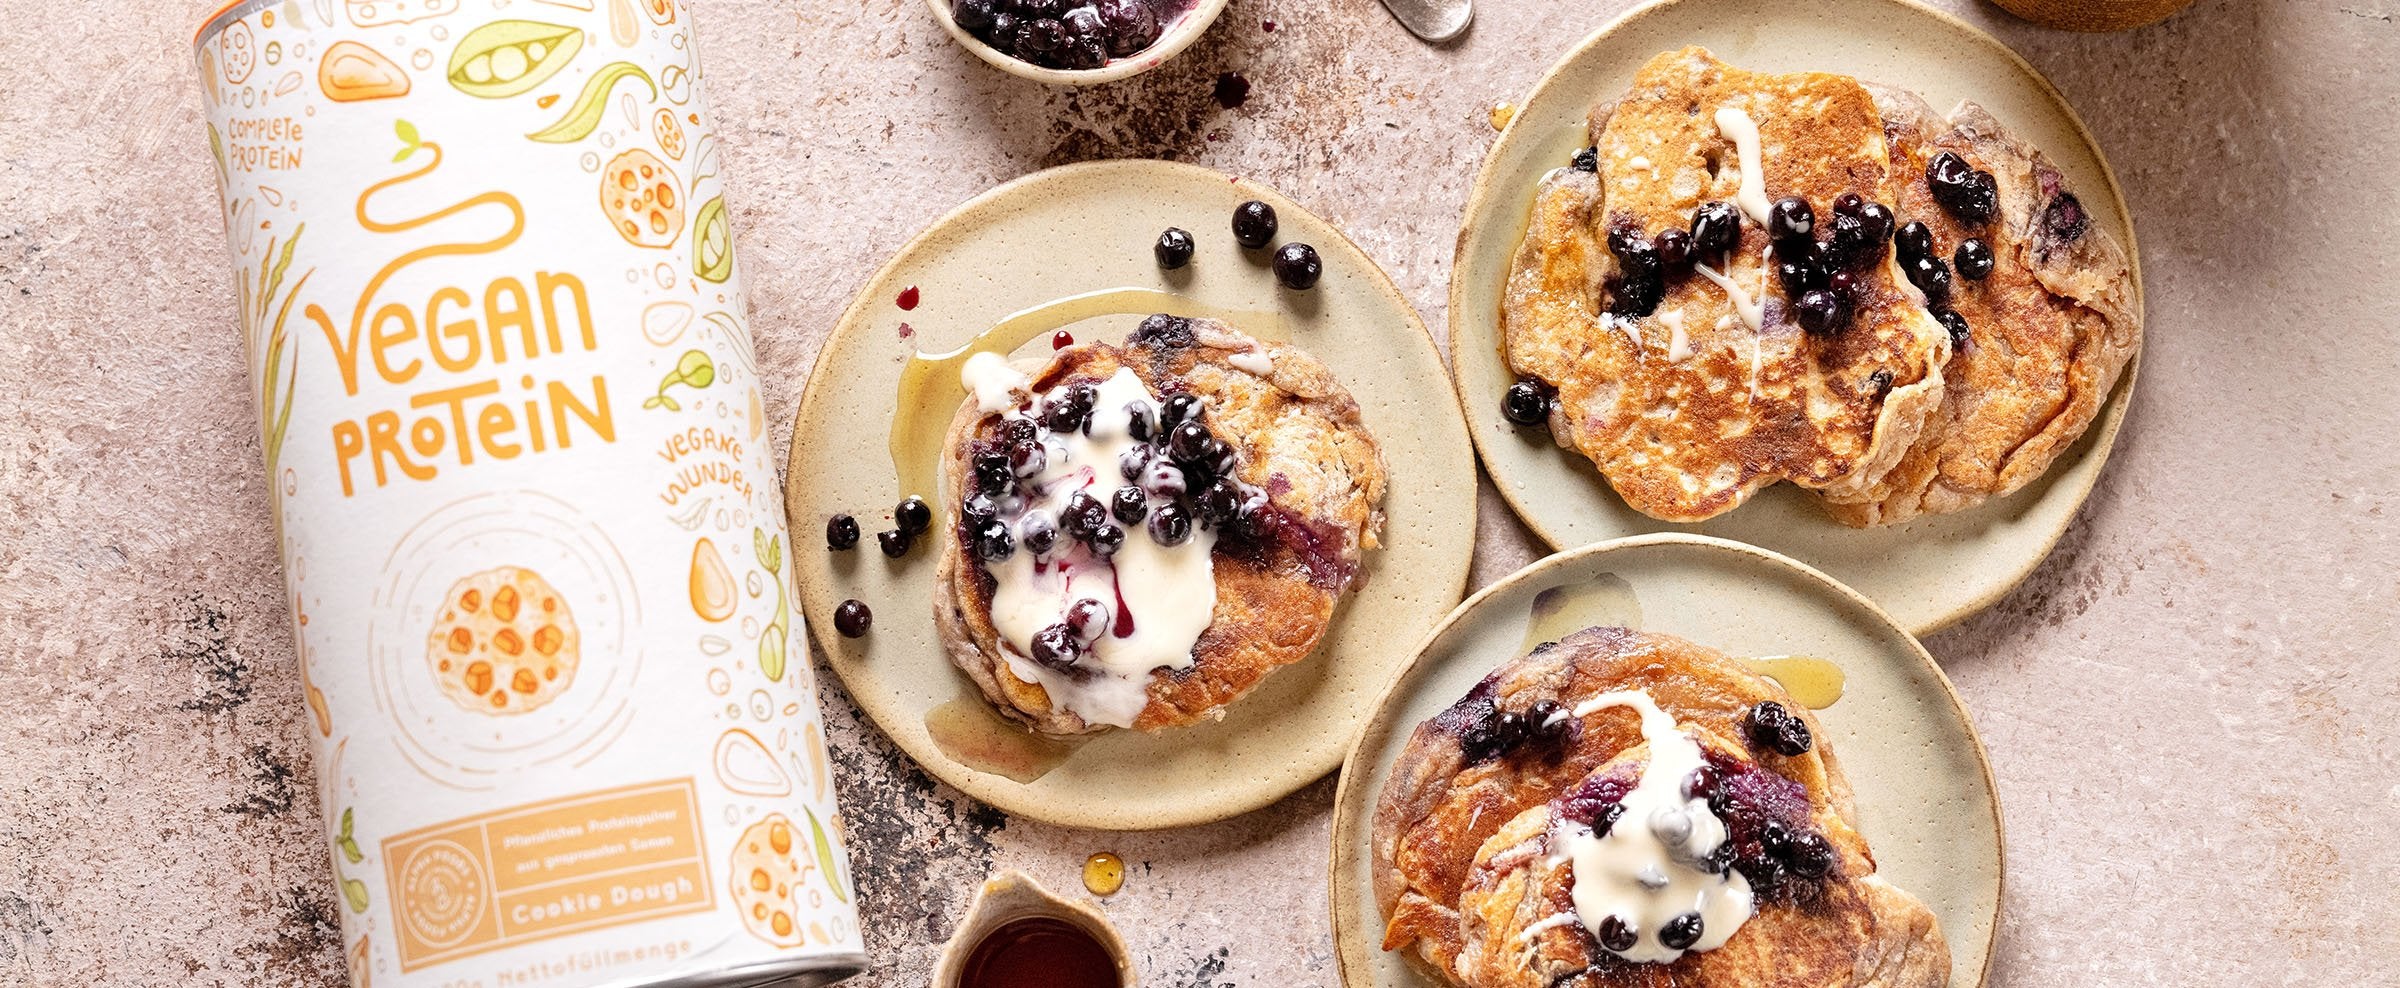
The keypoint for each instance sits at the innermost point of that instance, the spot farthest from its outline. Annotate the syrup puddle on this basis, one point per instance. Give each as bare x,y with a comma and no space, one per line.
970,733
1608,601
930,391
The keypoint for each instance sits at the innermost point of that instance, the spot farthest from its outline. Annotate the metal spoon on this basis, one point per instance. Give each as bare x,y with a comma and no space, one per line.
1433,20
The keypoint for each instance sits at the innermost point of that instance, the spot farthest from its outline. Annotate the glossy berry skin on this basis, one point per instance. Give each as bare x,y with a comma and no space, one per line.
1913,241
1974,259
913,515
1618,935
1189,442
895,543
973,16
1170,525
1970,195
1821,312
1173,249
1297,267
1790,218
1088,619
853,618
1544,721
993,543
1849,204
1056,647
1932,277
1798,272
1129,505
1131,26
1037,533
1082,516
1879,220
1219,503
993,475
1674,249
1586,160
1253,224
1178,409
1681,932
1774,727
841,533
1716,228
1527,403
2064,220
1106,540
1956,324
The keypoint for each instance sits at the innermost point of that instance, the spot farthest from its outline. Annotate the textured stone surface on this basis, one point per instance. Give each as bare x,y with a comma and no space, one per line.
2188,706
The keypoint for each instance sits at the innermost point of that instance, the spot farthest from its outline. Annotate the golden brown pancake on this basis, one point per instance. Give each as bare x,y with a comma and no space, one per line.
1299,439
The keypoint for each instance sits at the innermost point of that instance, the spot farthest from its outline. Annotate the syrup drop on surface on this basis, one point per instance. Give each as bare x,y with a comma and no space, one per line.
1103,873
1501,114
1604,601
1816,683
1232,90
970,733
1039,952
908,299
1269,25
1061,340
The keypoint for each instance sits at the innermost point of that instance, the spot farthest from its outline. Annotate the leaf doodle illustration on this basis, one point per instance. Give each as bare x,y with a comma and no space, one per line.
773,643
584,116
825,861
695,370
409,142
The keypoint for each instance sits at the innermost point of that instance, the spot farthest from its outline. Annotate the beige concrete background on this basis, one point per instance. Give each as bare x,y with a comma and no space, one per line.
2190,707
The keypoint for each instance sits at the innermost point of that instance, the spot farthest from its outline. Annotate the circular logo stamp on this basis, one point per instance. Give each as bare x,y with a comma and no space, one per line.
441,893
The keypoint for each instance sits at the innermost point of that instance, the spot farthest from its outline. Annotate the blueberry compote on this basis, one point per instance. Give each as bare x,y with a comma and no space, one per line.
1068,34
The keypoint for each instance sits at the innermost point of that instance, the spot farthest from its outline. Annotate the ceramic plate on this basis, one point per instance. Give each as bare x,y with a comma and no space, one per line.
1929,572
1924,791
1084,233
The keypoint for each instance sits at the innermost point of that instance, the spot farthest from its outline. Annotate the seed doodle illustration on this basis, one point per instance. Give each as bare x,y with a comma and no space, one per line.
695,370
505,58
712,243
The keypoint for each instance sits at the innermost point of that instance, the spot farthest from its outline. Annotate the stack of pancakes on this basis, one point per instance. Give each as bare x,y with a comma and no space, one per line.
1691,407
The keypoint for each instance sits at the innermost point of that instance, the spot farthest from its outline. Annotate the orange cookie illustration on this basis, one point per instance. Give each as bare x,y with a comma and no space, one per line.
376,13
351,72
642,199
505,644
767,869
241,52
670,133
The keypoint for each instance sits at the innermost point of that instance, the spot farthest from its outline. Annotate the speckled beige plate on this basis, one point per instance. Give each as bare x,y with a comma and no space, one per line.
1924,791
1071,231
1929,572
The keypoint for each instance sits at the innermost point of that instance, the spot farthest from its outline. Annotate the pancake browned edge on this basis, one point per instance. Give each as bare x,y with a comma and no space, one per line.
1688,409
1453,804
2049,331
1300,439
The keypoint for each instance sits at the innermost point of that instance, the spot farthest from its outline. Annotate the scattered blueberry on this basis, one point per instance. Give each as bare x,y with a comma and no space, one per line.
993,542
2064,220
1170,525
1674,250
1253,224
841,532
1849,204
1297,266
1798,271
1974,259
913,515
895,542
1932,277
1180,408
1106,540
1880,383
977,509
993,475
1791,219
1547,724
1821,311
1681,932
1527,402
1879,220
1956,324
1174,249
1188,442
1088,619
1083,515
1773,726
1129,505
1716,229
1220,502
1131,26
1914,241
1587,160
1618,935
1972,196
853,618
1037,533
1028,459
1056,647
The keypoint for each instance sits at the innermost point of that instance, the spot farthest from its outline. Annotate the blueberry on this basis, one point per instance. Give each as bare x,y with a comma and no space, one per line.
1180,408
1041,36
1634,298
1260,525
1219,503
1253,224
895,543
1547,724
1716,229
1640,285
1002,33
1617,934
1165,480
841,532
1702,782
1087,619
1674,249
913,515
1821,312
1188,442
977,509
1174,248
1586,160
2064,220
1131,26
993,543
1028,459
1129,505
1056,647
1637,258
992,473
1791,219
1164,330
1680,932
1849,204
1974,259
1880,383
973,16
853,618
1956,324
1844,284
1804,852
1170,525
1037,533
1853,243
1798,272
1972,196
1773,726
1087,52
1879,221
1106,540
1913,241
1947,168
1083,515
1083,22
1297,267
1932,277
1527,402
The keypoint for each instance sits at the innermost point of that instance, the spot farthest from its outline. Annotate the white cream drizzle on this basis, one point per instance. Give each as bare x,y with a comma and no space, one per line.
1679,343
1170,593
993,382
1644,870
1743,132
1753,309
1258,362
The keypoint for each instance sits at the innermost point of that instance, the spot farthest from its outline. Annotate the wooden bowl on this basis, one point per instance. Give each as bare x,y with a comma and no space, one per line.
2094,15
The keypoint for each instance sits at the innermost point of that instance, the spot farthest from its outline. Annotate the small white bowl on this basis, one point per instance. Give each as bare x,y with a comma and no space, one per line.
1172,40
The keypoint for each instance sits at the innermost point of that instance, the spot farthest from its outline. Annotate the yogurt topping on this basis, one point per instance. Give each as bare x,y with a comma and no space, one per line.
1646,871
1158,599
1743,132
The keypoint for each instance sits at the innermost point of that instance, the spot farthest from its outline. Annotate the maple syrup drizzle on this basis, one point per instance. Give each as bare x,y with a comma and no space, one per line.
969,732
1608,601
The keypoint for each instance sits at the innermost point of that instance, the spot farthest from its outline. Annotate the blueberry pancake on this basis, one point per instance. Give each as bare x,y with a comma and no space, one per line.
1675,321
1656,766
1145,532
2037,299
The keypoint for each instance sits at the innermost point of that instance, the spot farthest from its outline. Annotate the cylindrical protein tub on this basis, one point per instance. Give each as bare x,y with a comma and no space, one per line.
567,732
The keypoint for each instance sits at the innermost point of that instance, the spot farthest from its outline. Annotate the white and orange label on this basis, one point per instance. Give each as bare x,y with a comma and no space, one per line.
536,552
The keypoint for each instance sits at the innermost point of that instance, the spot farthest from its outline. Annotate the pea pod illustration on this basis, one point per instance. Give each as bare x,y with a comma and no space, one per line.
712,243
584,116
693,370
504,58
773,642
